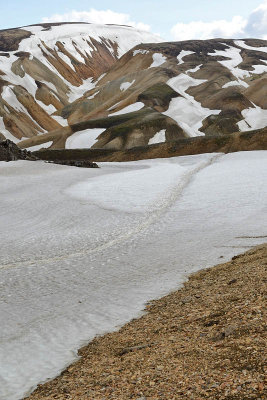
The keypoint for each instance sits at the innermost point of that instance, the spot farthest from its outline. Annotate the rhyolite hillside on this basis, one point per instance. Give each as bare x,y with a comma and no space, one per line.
116,88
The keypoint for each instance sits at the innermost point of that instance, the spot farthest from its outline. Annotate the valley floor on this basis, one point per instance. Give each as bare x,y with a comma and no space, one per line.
83,251
204,341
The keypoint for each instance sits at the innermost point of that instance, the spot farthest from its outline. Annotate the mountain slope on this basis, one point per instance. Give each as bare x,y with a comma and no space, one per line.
153,93
45,67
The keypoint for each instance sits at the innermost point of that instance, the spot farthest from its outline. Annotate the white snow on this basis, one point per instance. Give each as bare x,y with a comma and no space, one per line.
62,121
235,59
254,118
185,110
197,68
241,43
85,249
49,109
235,83
93,95
40,146
77,92
233,54
158,59
135,52
9,96
5,132
182,54
125,85
260,69
83,139
159,137
131,108
74,34
114,106
67,60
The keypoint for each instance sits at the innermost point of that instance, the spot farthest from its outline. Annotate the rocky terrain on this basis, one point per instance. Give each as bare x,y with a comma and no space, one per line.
205,341
44,68
10,152
113,87
239,141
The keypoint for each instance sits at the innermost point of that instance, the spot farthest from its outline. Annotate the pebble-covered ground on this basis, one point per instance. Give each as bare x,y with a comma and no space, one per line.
205,341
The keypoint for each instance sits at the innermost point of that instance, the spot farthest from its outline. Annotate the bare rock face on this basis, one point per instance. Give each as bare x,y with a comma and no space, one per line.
88,86
10,152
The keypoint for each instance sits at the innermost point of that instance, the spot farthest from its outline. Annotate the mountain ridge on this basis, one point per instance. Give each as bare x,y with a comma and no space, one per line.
97,94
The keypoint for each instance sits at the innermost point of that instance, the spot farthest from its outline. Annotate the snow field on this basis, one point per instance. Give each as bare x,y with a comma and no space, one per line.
89,247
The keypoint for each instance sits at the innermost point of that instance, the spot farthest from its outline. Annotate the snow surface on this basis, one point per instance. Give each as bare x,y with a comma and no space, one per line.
185,110
197,68
260,69
241,43
234,60
83,139
80,254
159,137
131,108
135,52
234,83
62,121
40,146
126,37
158,59
182,54
126,85
254,118
6,133
93,95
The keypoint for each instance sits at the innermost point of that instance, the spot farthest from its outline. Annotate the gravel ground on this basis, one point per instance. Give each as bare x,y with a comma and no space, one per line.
205,341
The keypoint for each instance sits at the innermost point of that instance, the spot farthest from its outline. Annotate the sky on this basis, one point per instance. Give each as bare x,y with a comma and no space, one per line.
171,19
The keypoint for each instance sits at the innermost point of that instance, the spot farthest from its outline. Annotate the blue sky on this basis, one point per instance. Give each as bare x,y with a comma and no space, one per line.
172,19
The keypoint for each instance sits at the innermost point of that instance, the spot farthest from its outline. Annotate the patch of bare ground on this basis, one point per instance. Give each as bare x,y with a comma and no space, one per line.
204,341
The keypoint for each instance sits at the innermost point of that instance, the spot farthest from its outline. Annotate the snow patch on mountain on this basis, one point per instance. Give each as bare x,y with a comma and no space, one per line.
135,52
125,85
197,68
158,59
241,43
182,54
83,139
159,137
234,59
260,69
40,146
185,110
234,83
254,118
77,36
131,108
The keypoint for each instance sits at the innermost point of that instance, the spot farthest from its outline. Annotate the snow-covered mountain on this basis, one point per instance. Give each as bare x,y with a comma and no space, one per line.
45,67
113,87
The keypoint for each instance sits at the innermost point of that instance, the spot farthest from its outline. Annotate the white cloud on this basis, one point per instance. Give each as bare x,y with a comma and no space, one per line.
207,30
97,17
254,26
257,22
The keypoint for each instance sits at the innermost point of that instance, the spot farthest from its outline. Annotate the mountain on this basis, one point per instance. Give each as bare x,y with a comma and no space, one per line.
83,85
43,68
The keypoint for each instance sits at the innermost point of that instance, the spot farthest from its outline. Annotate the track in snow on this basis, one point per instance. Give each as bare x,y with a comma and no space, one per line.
156,211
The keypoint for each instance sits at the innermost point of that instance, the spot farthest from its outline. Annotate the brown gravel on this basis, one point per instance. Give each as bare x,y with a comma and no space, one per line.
205,341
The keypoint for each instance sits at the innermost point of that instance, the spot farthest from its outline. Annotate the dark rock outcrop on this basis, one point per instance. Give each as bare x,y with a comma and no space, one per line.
9,151
77,163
